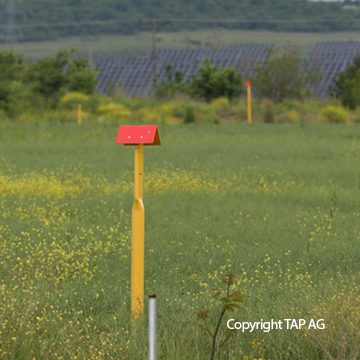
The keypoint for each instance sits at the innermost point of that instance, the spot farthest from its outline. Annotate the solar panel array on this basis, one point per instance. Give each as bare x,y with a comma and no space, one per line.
330,58
134,74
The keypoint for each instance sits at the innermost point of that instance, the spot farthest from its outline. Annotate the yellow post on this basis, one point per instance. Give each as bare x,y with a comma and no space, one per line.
138,237
249,102
138,136
79,114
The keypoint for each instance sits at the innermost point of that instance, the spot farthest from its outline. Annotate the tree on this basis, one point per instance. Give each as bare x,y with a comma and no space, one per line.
213,82
51,77
13,91
80,77
284,75
48,75
26,85
172,83
11,70
346,86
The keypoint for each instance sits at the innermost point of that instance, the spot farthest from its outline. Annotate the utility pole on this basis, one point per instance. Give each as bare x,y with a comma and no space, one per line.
90,55
154,52
11,37
154,25
90,39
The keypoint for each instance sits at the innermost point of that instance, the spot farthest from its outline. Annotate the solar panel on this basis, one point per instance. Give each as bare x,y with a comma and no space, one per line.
135,73
330,58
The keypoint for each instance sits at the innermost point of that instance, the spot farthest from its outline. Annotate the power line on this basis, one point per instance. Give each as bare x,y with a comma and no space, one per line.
176,20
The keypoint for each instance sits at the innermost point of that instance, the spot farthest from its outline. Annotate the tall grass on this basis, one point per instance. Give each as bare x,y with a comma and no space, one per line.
277,206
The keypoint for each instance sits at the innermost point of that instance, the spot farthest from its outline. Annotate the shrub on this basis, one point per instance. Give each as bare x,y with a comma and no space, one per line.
213,82
335,114
268,111
3,116
291,116
220,104
173,109
149,116
356,116
71,99
313,118
172,84
284,75
189,115
28,117
112,111
346,86
51,77
15,95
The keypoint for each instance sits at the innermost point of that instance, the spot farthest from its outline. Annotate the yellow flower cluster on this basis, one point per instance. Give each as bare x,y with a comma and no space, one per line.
50,265
62,243
50,185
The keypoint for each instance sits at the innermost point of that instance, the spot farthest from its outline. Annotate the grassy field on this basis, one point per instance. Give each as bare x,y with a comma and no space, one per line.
142,42
277,206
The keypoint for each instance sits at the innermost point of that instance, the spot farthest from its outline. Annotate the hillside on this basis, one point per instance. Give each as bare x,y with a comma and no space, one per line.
52,19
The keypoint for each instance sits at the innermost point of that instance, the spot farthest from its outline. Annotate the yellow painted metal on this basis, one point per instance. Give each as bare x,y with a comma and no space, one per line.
79,115
138,238
249,103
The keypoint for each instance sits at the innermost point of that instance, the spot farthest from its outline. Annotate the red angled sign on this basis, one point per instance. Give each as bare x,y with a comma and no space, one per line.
248,83
138,134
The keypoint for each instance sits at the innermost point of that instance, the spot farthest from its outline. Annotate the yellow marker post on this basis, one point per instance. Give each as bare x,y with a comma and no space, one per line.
79,115
138,237
248,85
138,136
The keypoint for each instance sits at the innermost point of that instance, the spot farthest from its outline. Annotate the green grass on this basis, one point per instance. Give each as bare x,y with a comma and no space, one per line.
277,206
142,42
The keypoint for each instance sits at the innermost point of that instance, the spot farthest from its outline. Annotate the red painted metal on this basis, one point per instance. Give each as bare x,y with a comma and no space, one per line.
138,134
248,83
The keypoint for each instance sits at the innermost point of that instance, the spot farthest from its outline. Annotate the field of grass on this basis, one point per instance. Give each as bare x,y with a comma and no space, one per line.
142,42
277,206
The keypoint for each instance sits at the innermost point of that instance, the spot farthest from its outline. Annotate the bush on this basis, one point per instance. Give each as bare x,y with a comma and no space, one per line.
220,104
52,77
3,116
356,116
71,99
189,115
335,114
173,109
212,82
268,111
313,118
291,116
346,86
40,84
172,85
149,115
111,111
28,117
284,75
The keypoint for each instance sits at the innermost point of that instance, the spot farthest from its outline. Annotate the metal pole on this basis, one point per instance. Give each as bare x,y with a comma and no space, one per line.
138,238
152,327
